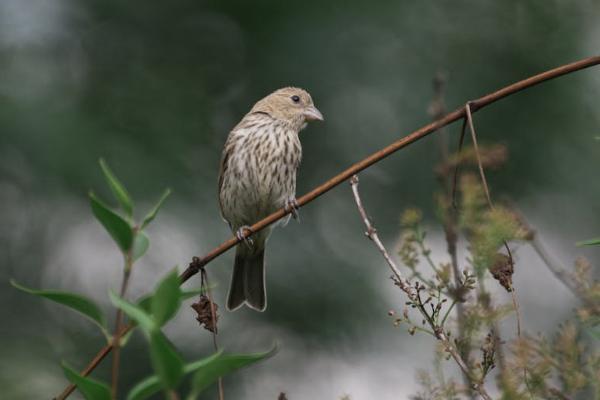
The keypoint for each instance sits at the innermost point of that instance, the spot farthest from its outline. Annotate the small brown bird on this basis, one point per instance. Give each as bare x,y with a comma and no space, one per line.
258,177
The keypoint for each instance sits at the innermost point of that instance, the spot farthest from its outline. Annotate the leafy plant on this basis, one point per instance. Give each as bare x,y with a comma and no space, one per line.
528,367
151,313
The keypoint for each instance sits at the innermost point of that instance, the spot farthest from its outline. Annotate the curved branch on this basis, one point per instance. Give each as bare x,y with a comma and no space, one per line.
420,133
454,116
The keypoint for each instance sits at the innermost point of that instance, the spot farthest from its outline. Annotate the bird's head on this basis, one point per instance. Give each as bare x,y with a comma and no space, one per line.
291,105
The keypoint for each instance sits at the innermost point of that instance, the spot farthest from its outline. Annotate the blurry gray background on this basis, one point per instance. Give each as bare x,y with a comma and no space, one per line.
154,88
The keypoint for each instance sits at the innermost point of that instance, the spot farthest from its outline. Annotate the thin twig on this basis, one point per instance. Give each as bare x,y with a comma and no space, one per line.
213,315
448,312
478,155
101,355
371,233
560,273
413,295
551,263
420,133
461,141
486,189
119,326
449,185
491,205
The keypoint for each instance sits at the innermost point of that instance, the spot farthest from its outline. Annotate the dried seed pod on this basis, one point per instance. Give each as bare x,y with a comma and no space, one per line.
502,270
205,316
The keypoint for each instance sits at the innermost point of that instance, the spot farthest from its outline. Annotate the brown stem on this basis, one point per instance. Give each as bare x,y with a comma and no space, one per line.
420,133
494,324
448,184
213,316
98,358
414,296
551,263
118,327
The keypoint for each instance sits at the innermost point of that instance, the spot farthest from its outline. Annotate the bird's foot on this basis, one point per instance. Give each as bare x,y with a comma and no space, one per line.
292,206
240,235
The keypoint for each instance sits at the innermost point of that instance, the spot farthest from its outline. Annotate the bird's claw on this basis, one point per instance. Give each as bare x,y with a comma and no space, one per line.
240,235
292,206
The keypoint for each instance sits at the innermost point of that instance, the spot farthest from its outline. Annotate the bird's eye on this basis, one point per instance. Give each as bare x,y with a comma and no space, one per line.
295,99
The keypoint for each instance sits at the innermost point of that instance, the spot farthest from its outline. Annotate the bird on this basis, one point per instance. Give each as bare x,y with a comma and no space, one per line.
258,177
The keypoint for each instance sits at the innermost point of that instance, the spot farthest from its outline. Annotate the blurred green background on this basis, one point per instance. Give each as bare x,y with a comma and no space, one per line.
155,87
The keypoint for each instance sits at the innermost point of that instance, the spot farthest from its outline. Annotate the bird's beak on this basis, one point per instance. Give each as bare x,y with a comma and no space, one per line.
312,114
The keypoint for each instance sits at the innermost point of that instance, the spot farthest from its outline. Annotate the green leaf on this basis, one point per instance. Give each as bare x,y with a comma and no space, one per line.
188,294
145,303
223,365
167,363
123,340
151,385
90,388
135,312
140,245
114,224
74,301
152,214
166,299
145,388
591,242
118,189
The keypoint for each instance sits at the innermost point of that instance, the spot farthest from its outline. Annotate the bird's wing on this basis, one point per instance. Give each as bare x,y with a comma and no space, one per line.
223,170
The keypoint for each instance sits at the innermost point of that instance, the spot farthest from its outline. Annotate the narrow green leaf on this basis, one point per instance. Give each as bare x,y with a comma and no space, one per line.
140,245
188,294
114,224
196,365
167,363
151,385
118,189
90,388
74,301
591,242
223,365
145,303
123,340
134,312
152,214
145,388
166,299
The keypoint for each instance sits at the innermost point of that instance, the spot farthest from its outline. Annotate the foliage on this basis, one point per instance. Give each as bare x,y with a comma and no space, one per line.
526,367
150,313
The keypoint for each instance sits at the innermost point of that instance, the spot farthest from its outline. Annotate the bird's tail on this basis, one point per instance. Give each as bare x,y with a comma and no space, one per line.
248,278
